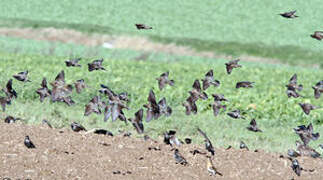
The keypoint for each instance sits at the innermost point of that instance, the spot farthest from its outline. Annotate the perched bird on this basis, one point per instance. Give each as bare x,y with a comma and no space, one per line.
307,107
292,153
317,35
306,133
216,106
93,106
43,92
28,143
208,144
179,158
9,91
219,97
244,84
253,126
305,150
296,167
44,121
96,65
79,85
22,76
211,168
4,101
243,145
231,65
171,139
190,105
235,114
137,121
73,62
290,14
163,80
209,80
142,26
196,92
11,119
318,89
76,127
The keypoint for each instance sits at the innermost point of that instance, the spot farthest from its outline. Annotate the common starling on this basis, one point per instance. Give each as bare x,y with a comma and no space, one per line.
196,92
208,144
93,106
306,133
209,80
137,121
76,127
142,26
11,119
243,145
292,153
179,158
164,108
153,110
4,101
219,97
216,106
296,167
317,35
253,126
44,121
9,91
28,143
190,105
235,114
171,139
79,85
103,131
211,168
22,76
244,84
61,90
231,65
292,85
318,89
305,150
73,62
96,65
307,107
163,80
290,14
43,92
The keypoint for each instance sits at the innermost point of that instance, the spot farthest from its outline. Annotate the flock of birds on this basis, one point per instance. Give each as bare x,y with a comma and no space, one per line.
117,103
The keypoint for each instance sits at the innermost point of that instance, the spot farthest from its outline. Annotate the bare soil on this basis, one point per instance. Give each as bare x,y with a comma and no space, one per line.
64,154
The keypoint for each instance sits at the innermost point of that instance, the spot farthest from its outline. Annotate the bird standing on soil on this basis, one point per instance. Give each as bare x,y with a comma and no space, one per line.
28,143
76,127
179,158
253,126
306,133
22,76
171,139
208,144
211,168
296,167
73,62
142,26
290,14
317,35
11,119
243,146
163,80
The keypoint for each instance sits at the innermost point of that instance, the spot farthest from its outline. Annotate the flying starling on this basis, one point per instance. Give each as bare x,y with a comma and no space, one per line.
290,14
305,150
307,107
306,133
96,65
4,101
163,80
137,121
73,62
208,144
143,26
9,91
93,106
164,108
209,80
43,92
28,143
79,85
231,65
196,92
235,114
22,76
217,106
190,105
244,84
318,89
179,158
253,126
153,110
317,35
76,127
219,97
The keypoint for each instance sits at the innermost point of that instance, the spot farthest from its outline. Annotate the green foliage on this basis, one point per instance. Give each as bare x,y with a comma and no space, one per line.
275,113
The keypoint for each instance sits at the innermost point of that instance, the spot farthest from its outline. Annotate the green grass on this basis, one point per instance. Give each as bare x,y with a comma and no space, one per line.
275,113
228,27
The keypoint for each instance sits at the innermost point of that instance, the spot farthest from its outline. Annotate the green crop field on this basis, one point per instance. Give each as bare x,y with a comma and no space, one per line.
224,27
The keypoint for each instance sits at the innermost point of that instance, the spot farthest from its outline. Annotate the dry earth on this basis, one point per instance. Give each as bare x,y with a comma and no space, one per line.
63,154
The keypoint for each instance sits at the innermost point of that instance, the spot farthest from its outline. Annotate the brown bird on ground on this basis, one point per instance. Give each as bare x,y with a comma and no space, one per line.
305,150
137,121
179,158
243,146
171,139
73,62
208,144
142,26
235,114
76,127
163,80
296,167
190,105
244,84
290,14
196,92
217,106
61,90
43,92
44,121
317,35
211,168
22,76
306,133
253,126
28,143
209,80
219,97
307,107
4,101
318,89
79,85
93,106
9,91
96,65
11,119
231,65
